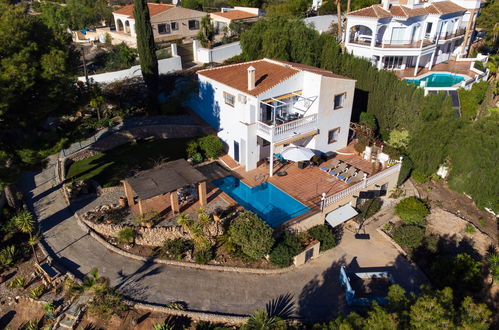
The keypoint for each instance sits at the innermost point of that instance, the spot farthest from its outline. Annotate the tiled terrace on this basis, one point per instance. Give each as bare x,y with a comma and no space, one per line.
451,66
308,184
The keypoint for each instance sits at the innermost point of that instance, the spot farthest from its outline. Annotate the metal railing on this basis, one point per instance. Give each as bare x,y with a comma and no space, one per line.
277,132
359,186
447,36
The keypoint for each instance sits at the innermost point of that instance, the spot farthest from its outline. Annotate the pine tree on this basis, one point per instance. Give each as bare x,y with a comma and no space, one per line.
147,49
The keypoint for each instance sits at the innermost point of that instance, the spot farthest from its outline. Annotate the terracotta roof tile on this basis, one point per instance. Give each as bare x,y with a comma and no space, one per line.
235,14
154,9
269,73
445,7
436,8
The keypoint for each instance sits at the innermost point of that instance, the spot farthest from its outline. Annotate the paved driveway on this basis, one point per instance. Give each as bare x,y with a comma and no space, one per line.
313,287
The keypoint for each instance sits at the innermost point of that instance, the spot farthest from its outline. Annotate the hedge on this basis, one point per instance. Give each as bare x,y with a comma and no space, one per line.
412,211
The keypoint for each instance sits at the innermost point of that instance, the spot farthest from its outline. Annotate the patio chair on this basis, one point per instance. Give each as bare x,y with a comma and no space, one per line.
350,174
339,169
331,165
357,178
347,173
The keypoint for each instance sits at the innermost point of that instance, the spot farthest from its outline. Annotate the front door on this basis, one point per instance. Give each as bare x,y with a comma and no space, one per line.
236,151
309,254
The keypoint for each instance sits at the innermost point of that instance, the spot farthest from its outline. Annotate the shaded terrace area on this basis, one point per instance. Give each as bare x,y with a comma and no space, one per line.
166,189
451,66
307,185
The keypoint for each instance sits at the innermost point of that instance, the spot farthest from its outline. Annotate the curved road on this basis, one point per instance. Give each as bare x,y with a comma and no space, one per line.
313,287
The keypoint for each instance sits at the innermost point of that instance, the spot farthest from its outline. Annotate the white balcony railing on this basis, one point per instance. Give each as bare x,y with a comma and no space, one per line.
287,130
359,186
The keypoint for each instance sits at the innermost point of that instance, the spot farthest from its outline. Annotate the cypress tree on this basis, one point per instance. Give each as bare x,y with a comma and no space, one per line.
147,49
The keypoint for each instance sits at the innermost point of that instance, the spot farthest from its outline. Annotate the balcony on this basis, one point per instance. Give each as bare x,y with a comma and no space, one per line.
448,36
288,130
366,41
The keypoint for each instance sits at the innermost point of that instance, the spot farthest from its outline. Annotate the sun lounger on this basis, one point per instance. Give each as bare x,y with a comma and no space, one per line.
348,174
331,165
357,178
338,169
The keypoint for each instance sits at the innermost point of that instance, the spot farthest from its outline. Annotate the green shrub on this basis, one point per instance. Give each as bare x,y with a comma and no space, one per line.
7,256
202,256
37,292
127,236
368,209
192,148
177,247
323,234
211,145
107,302
408,236
252,235
412,211
470,229
17,283
116,215
283,253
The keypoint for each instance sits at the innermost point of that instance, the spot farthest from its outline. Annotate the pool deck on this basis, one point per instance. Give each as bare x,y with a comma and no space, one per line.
452,66
306,185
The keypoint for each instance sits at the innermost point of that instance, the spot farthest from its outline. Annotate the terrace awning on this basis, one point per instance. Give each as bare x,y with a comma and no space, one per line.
340,215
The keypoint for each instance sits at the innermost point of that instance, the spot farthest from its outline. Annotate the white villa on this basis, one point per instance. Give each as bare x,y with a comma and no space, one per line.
262,106
169,22
397,35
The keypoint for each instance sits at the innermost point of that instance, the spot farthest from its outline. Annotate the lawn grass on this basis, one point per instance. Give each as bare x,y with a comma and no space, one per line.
119,163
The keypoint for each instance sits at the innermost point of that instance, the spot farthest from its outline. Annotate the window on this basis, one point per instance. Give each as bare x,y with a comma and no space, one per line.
229,99
338,101
164,28
332,135
174,26
193,24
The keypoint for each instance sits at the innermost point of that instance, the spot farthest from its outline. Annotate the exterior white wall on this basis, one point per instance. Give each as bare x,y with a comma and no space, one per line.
166,65
218,54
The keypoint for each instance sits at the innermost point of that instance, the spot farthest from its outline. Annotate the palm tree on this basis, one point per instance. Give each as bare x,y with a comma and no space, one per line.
185,221
26,224
94,281
261,320
206,32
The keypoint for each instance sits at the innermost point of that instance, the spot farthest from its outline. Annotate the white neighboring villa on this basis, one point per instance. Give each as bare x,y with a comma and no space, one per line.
403,34
259,107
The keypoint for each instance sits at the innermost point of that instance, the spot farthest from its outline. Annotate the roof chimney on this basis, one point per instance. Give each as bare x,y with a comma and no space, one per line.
386,4
251,78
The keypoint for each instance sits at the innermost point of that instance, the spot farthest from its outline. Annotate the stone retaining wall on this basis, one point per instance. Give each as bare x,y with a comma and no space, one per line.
145,236
198,316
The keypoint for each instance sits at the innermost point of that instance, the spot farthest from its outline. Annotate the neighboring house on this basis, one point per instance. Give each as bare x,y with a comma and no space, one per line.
322,23
259,107
410,33
226,16
169,22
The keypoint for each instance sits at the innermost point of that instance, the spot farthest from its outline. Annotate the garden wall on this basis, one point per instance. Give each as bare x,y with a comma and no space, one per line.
217,54
145,236
165,66
300,259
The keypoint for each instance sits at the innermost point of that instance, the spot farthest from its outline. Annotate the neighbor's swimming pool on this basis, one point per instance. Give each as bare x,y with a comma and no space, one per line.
438,80
270,203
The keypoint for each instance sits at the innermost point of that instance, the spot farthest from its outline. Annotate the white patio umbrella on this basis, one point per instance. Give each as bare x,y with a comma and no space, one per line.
297,154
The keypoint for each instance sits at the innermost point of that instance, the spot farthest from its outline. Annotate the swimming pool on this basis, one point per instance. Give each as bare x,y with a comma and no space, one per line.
438,80
270,203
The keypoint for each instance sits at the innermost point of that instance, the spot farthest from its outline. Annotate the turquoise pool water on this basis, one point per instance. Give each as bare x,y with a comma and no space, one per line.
438,80
271,204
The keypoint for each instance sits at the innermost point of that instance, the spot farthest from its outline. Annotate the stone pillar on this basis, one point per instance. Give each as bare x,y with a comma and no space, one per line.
374,34
202,193
174,202
174,49
128,193
141,210
380,63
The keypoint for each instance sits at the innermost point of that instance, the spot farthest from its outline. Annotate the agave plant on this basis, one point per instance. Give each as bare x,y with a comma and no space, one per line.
7,256
37,292
26,224
185,221
261,320
18,282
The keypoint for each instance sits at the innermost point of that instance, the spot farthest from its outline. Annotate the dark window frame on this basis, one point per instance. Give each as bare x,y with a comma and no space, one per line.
343,98
193,24
167,29
329,140
174,26
233,99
